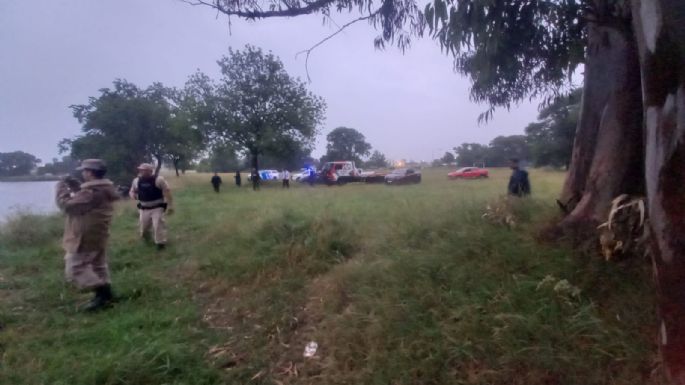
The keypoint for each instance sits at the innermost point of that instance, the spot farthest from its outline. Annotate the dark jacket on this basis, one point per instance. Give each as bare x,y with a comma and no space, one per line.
518,183
216,180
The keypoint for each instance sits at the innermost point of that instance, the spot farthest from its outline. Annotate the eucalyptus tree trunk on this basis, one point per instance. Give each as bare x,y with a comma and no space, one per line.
254,159
159,164
176,162
660,32
607,155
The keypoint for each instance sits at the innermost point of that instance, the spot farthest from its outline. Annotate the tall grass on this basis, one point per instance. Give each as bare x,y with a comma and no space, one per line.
24,228
397,285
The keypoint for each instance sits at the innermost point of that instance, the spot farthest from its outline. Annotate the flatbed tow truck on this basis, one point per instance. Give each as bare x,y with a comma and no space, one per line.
344,171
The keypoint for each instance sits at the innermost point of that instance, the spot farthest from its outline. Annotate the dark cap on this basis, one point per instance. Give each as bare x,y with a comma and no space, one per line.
93,164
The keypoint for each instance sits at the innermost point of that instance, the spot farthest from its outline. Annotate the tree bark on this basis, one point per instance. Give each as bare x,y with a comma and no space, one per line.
254,159
159,164
607,155
660,32
176,162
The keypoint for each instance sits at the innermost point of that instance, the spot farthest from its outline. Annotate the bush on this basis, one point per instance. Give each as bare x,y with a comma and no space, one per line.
24,228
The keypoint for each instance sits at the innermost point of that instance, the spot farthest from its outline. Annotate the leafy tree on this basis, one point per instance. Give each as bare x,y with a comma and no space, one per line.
157,133
470,154
59,167
182,146
287,153
122,126
126,125
551,138
448,158
184,139
496,154
346,144
193,124
510,49
17,163
503,148
377,160
221,159
261,108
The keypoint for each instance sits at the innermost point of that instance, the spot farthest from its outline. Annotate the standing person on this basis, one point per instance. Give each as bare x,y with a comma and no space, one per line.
88,208
154,200
216,182
254,176
312,176
285,175
518,182
237,178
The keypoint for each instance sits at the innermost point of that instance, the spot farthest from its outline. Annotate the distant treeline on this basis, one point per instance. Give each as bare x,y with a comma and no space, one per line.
20,165
547,142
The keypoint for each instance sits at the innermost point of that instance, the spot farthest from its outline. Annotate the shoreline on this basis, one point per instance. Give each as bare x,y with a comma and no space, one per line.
30,178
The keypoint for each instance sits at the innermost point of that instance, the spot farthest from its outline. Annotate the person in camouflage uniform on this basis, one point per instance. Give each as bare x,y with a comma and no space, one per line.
89,208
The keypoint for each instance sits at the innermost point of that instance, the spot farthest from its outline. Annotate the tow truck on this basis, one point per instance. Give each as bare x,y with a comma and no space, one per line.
344,171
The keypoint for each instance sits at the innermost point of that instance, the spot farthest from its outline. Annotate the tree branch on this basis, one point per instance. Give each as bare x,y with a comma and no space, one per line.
340,29
260,14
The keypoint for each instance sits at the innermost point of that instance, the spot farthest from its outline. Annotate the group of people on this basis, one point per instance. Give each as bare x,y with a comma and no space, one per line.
89,208
255,178
217,182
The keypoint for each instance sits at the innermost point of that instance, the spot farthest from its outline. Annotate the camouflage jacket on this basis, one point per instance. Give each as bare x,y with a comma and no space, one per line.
88,214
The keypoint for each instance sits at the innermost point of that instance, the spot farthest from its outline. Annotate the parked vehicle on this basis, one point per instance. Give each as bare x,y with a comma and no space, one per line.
340,172
301,176
468,173
377,176
403,176
306,176
266,175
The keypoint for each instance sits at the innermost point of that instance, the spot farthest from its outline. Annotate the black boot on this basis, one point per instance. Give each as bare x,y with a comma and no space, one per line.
102,299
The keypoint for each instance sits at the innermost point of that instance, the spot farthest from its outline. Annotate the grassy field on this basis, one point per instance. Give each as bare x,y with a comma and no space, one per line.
397,285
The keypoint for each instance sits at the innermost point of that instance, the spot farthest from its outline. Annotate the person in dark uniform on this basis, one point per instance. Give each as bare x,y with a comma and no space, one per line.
254,176
216,182
237,178
518,182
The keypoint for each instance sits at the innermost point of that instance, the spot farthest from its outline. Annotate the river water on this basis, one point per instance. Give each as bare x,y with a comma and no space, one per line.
37,197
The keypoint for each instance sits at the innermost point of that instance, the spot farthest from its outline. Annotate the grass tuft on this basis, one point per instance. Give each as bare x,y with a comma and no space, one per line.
23,228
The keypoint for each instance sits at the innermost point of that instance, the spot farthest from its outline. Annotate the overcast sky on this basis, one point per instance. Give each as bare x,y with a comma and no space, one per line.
54,53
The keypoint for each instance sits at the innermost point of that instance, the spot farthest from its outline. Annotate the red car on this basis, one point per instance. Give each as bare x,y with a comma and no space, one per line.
468,173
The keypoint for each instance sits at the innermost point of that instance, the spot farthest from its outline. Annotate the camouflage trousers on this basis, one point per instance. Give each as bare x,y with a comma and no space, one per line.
87,270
